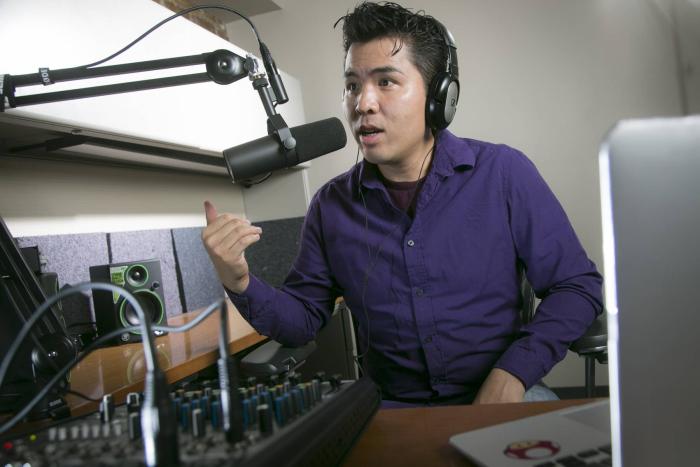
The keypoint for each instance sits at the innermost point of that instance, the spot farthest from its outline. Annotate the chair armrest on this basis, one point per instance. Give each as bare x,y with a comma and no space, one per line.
594,342
272,358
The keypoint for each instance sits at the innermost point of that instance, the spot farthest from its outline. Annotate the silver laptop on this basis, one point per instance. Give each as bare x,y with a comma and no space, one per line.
650,196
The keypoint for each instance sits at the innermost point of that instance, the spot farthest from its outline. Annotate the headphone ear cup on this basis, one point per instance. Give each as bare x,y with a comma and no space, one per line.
441,103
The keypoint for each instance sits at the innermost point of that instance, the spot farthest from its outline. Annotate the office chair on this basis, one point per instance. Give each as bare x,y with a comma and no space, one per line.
592,346
336,339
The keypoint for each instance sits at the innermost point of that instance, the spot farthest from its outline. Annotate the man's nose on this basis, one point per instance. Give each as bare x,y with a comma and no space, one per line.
367,101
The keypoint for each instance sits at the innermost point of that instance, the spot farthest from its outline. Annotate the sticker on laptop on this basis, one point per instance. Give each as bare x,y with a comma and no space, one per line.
532,450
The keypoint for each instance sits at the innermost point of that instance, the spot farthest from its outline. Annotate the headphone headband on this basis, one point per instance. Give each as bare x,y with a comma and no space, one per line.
451,51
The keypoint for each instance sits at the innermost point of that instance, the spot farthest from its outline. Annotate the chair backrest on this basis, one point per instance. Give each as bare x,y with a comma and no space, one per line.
528,303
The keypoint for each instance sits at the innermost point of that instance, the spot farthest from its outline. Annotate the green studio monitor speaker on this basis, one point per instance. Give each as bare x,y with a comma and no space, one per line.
112,311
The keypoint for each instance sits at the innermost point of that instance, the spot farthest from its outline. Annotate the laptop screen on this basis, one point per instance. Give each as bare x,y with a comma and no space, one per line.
650,195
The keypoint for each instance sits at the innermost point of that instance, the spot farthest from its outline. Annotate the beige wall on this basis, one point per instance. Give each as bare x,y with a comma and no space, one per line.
40,197
549,77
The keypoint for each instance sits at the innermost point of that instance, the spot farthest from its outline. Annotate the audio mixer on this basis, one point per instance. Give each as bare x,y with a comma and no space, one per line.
281,422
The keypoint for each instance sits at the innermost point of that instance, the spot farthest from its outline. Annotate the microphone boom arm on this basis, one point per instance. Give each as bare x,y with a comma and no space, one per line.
223,67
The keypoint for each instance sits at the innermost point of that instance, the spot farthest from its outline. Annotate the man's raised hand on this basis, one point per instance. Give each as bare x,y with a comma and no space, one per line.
225,238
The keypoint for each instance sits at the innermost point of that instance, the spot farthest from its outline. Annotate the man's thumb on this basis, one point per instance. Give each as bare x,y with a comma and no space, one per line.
210,212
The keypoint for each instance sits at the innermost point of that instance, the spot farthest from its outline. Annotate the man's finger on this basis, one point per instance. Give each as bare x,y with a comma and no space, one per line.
210,212
240,246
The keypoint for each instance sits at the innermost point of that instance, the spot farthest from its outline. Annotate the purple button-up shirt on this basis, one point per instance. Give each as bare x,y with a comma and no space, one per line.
437,296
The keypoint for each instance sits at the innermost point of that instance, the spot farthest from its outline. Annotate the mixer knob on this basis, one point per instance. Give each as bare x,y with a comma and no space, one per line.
133,403
117,428
316,389
280,414
84,431
335,381
289,406
107,408
198,426
265,419
247,414
297,401
215,414
185,416
308,395
134,426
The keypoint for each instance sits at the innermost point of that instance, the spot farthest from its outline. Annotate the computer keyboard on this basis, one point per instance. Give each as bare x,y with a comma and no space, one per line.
597,457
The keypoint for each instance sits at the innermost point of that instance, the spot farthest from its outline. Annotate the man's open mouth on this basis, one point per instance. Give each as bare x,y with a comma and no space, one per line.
369,131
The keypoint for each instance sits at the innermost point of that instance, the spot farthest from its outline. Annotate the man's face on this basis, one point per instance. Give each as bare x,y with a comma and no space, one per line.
384,103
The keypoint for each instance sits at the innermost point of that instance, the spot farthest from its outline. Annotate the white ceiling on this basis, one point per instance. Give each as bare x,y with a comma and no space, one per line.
246,7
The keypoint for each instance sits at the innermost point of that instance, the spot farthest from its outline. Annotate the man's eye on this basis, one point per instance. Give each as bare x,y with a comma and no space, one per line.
351,87
384,82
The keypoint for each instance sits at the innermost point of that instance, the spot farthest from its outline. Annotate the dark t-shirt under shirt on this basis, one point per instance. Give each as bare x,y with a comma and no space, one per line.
404,194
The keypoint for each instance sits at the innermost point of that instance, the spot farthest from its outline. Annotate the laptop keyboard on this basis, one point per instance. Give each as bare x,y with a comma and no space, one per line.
599,457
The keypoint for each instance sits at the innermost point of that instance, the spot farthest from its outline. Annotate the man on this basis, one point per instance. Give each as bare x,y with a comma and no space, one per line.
425,239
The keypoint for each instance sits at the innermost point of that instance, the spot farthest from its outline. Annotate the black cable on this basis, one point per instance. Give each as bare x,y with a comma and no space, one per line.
81,323
92,346
170,18
248,183
81,395
35,339
144,322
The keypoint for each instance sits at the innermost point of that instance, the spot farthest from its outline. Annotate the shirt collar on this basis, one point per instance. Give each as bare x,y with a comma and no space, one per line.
451,153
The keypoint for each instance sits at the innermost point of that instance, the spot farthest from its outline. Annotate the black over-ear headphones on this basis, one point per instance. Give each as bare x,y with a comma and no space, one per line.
443,92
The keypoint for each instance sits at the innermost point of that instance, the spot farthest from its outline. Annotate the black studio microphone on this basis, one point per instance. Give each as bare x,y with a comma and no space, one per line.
268,154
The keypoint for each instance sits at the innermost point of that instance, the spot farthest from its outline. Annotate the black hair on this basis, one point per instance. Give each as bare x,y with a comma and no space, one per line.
421,32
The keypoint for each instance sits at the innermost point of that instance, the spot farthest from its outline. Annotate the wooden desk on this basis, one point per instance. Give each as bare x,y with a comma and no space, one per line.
121,369
420,437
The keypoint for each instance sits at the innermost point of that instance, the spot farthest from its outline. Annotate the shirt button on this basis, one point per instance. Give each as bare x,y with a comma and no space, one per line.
419,292
411,243
428,340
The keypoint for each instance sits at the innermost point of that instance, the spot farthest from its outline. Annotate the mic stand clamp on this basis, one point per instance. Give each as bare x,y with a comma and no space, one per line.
275,123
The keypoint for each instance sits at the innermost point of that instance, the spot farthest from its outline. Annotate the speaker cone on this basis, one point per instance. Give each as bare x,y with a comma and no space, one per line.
151,304
137,275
